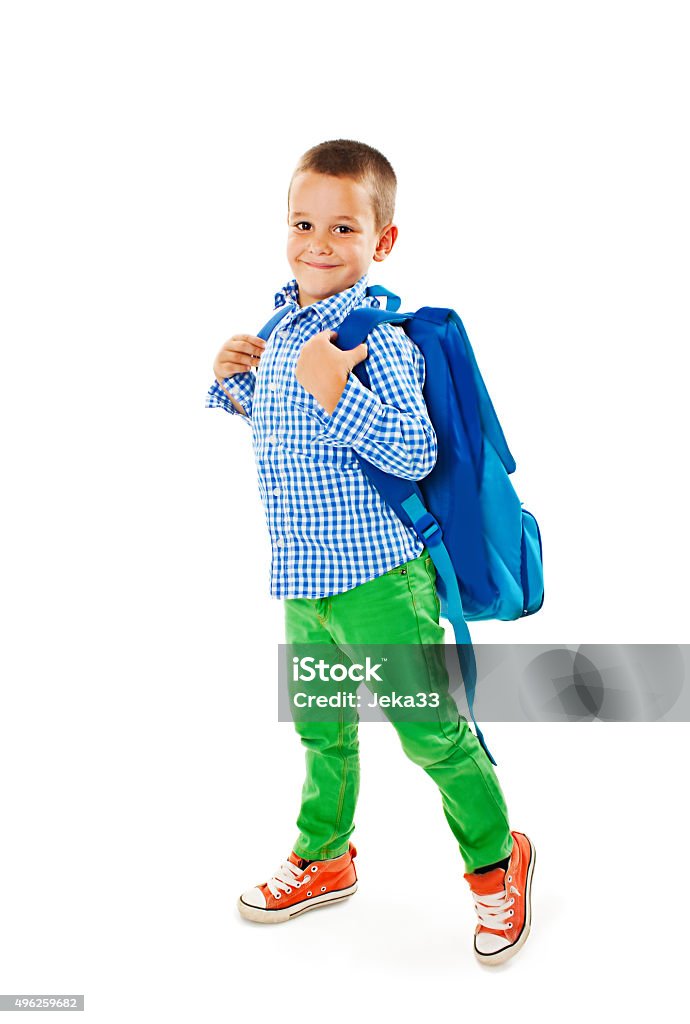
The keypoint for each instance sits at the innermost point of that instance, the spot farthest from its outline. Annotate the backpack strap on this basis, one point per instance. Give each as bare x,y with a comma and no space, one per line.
393,301
267,329
428,529
358,325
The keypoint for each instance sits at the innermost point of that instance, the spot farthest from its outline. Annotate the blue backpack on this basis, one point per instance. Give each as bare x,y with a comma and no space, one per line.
485,546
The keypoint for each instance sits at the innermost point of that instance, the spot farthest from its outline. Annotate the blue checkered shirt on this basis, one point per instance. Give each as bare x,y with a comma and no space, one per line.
329,528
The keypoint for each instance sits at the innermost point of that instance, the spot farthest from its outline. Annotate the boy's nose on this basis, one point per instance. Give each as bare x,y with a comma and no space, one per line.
318,245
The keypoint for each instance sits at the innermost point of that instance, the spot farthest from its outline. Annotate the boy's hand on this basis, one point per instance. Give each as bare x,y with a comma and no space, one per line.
322,369
238,355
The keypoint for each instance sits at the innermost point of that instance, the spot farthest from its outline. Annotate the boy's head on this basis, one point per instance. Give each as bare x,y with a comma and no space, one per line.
341,204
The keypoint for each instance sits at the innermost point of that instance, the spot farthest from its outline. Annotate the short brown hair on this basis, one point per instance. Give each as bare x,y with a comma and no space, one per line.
345,158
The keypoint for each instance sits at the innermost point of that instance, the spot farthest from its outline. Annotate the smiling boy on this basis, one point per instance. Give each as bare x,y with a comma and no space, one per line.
349,571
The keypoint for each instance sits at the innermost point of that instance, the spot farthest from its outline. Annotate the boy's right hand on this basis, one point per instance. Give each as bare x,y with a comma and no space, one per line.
238,355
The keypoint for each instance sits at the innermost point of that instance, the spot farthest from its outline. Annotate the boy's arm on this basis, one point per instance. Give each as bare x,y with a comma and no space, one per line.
235,394
388,425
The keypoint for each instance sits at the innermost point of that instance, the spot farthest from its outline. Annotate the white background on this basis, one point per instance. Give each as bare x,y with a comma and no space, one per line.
541,152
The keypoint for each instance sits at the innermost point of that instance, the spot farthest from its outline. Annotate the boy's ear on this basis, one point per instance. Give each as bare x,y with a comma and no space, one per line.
386,242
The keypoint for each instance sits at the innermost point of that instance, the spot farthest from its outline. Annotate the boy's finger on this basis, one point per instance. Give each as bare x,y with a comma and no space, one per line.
236,356
242,362
251,339
250,345
359,353
242,346
322,338
240,356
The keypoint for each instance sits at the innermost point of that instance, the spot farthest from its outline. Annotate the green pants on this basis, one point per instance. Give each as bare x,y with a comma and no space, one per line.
400,607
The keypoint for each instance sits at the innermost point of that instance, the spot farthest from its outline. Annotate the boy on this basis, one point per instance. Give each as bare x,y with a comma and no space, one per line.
349,571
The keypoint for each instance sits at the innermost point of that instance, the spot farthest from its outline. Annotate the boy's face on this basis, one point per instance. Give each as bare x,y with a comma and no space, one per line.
332,237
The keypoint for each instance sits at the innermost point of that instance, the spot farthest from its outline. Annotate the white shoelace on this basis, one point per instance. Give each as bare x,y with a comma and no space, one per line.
494,909
287,875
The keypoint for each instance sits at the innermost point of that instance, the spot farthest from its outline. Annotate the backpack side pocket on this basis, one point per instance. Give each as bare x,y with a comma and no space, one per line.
532,565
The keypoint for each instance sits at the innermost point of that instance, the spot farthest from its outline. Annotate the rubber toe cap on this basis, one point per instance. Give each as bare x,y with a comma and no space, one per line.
254,898
490,942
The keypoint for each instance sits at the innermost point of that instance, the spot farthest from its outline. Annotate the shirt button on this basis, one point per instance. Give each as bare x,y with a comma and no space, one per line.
279,542
271,386
271,438
276,490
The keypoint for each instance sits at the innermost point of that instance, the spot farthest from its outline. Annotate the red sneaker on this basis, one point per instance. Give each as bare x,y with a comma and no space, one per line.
502,900
300,885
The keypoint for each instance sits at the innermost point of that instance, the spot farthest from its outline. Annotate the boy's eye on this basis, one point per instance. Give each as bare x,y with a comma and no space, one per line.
304,225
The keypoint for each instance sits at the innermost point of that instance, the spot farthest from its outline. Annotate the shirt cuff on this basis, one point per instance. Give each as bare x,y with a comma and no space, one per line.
240,386
353,415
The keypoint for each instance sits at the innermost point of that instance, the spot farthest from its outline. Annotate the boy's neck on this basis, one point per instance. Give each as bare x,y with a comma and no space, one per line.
306,301
303,303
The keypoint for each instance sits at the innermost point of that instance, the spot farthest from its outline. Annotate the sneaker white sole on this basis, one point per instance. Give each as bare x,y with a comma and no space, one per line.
494,959
260,916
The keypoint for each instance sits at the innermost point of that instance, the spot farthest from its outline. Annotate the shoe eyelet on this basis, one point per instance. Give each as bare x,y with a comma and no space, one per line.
288,891
511,912
314,868
512,900
510,878
323,888
509,925
278,896
297,885
308,894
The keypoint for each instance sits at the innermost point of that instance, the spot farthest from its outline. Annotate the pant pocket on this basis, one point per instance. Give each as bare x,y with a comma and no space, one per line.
431,573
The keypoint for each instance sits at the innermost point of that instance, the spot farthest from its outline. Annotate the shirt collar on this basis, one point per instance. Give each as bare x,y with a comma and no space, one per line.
338,305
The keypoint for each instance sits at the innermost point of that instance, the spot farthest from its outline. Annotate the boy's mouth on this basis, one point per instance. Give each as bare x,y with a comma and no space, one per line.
321,266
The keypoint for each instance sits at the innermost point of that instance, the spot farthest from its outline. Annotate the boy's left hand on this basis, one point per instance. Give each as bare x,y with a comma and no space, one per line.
323,370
